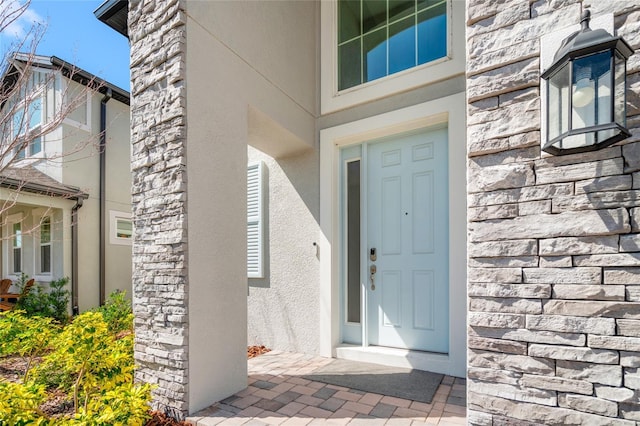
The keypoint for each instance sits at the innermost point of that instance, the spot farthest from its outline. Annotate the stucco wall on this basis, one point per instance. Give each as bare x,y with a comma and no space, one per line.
284,307
208,76
80,167
553,254
229,78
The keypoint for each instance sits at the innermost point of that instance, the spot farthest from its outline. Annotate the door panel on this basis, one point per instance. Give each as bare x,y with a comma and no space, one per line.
407,221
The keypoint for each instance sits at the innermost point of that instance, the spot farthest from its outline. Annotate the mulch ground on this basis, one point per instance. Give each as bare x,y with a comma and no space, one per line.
254,351
12,369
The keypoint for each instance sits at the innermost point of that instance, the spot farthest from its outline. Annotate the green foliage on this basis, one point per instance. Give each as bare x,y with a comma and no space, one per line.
19,404
90,361
117,312
28,337
124,405
52,303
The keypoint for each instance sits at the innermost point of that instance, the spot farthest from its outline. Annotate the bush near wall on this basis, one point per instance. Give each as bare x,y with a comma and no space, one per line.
90,360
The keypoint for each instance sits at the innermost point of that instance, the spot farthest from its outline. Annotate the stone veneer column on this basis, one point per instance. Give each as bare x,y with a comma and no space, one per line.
554,242
157,32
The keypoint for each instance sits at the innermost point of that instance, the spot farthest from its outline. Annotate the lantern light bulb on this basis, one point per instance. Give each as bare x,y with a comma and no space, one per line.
584,93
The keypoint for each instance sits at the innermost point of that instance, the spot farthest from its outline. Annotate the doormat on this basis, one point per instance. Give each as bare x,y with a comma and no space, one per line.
406,383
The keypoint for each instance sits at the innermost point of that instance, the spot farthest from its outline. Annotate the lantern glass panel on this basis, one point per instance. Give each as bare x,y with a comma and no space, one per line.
577,141
588,71
605,115
558,103
620,93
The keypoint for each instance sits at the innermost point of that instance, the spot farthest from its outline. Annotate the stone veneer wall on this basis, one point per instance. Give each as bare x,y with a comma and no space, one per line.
554,242
157,33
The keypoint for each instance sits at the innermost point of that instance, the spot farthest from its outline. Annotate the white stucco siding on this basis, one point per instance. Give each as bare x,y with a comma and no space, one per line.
275,78
276,39
81,168
227,76
284,307
118,195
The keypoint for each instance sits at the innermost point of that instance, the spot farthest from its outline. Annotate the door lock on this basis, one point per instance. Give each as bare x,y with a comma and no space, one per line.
372,272
372,254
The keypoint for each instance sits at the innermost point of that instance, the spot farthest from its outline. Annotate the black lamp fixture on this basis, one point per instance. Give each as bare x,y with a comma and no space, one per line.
586,92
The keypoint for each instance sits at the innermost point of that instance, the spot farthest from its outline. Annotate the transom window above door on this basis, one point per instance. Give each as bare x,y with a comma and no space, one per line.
377,38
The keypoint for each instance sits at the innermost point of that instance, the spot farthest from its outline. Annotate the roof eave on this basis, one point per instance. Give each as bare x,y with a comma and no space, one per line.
69,192
113,13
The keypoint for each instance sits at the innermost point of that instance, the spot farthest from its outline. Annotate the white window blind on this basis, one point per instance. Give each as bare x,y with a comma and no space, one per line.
255,222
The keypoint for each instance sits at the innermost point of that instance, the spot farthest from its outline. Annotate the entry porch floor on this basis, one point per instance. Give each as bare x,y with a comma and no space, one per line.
277,394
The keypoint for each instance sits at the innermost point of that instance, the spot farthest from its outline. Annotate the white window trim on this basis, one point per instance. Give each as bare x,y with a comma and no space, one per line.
37,264
114,215
39,92
258,218
333,100
38,215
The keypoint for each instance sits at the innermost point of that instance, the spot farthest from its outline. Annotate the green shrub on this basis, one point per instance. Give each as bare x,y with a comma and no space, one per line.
28,337
89,361
52,303
19,404
117,312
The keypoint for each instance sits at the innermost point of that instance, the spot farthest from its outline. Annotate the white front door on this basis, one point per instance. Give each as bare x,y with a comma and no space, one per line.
406,259
395,220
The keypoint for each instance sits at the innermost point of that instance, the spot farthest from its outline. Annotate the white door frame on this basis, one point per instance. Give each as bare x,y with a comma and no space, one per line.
450,109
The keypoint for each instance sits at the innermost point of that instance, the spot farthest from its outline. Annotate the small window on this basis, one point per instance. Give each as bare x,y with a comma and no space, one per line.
379,38
45,245
121,228
16,242
124,228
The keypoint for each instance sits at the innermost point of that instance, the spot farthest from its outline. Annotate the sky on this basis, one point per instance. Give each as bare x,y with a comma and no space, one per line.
74,34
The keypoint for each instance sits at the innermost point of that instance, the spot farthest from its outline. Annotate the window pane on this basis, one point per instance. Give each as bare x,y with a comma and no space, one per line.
18,122
45,231
45,258
432,33
17,259
35,146
348,20
20,154
353,241
349,61
35,113
17,235
424,4
402,45
374,15
399,9
374,48
124,228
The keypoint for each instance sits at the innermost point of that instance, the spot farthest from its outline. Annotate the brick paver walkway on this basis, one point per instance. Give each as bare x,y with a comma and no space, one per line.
278,395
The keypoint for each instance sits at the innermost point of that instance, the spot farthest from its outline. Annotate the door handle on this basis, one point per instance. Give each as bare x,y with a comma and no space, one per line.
372,272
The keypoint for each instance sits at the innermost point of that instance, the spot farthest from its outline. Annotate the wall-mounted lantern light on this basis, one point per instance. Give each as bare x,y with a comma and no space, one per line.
586,92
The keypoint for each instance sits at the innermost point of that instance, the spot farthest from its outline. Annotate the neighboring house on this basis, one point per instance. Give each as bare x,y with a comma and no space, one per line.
378,156
66,201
